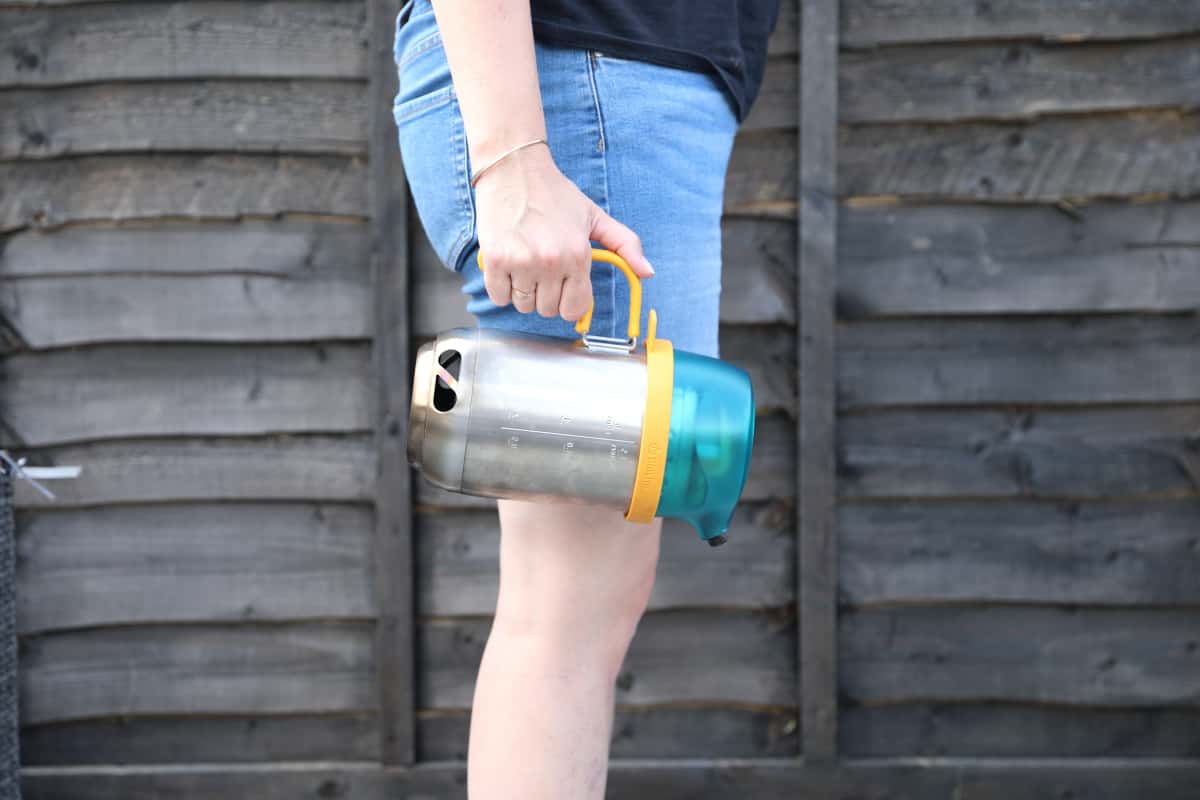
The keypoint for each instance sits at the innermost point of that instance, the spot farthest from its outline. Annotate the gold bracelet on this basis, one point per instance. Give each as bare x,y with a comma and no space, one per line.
480,172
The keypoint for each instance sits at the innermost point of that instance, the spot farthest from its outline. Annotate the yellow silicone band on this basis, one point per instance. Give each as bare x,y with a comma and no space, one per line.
656,426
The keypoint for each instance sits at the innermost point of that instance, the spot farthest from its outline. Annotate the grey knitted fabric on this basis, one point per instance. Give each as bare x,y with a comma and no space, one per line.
10,788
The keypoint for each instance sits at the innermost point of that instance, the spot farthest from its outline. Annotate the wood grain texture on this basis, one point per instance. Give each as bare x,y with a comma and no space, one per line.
289,247
58,312
676,657
458,563
942,82
244,669
193,563
52,193
1125,554
1090,656
238,116
161,41
1012,731
128,390
293,467
988,259
866,23
1090,453
1082,360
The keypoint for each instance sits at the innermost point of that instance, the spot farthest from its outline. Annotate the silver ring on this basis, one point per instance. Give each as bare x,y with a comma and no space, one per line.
522,292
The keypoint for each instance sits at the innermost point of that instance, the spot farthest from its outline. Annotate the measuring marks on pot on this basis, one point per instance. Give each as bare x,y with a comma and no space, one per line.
569,439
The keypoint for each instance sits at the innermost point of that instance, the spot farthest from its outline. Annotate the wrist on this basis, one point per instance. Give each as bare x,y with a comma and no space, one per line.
524,158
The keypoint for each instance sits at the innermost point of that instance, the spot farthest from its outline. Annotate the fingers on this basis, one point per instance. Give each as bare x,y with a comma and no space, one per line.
621,240
498,284
549,294
524,299
576,297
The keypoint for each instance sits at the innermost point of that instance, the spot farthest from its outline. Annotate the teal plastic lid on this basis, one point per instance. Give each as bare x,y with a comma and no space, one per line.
708,448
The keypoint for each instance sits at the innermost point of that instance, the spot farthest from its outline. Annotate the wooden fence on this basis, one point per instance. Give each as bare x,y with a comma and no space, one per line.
962,249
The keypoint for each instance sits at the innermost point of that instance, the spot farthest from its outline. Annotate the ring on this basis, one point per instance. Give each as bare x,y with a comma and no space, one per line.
522,292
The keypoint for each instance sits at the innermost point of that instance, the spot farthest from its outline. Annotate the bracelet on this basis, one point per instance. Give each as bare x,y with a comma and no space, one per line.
480,172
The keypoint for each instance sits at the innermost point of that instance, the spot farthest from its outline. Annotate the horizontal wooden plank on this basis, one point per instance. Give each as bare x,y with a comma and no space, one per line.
1007,731
239,116
1087,360
285,248
51,193
1052,159
939,82
676,657
295,467
192,740
1020,552
1098,657
866,23
665,732
131,390
1097,453
990,259
785,36
244,669
193,563
777,105
58,312
458,563
160,41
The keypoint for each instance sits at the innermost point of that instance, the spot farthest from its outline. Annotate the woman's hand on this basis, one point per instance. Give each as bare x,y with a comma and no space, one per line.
535,231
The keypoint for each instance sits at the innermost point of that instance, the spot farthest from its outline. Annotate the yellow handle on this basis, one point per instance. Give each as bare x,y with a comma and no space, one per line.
635,292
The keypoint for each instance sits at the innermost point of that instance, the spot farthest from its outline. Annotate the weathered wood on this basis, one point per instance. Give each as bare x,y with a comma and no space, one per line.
762,173
192,740
939,82
159,41
676,657
284,248
1096,553
304,467
57,312
1086,360
243,669
193,563
1100,657
866,23
241,116
458,555
775,106
1044,161
1003,731
665,732
784,38
51,193
1093,453
988,259
128,390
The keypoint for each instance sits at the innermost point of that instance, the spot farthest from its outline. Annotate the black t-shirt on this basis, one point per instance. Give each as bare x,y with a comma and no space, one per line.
726,37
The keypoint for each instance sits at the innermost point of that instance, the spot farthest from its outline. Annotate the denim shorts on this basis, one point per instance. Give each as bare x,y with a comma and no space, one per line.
648,144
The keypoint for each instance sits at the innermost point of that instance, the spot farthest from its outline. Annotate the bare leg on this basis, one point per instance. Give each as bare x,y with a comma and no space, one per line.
574,580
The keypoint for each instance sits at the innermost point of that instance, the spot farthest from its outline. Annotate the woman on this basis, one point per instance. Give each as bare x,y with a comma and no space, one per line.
530,131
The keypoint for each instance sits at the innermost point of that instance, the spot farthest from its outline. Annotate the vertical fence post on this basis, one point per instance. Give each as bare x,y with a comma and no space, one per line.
10,788
816,506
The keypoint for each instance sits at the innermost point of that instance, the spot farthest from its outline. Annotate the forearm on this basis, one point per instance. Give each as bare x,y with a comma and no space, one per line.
489,46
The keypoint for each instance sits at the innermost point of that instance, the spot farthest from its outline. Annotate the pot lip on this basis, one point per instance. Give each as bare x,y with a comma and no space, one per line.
422,389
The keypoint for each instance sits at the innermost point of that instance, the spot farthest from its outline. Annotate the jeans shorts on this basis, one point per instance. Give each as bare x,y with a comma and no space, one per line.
649,144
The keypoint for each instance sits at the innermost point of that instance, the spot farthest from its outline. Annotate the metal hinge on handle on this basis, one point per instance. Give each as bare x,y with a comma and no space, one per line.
16,467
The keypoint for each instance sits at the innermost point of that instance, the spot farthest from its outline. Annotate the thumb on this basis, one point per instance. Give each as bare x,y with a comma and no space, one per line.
621,240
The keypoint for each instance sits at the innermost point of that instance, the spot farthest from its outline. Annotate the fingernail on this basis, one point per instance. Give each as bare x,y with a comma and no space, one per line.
649,266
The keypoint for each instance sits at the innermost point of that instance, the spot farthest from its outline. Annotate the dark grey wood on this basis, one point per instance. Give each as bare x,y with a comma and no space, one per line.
775,106
663,732
1087,656
295,467
394,580
1082,360
458,562
1013,552
193,563
159,41
241,116
816,488
1044,161
681,656
1016,80
989,259
1007,731
292,248
192,740
218,670
866,23
130,390
1129,452
51,193
762,174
